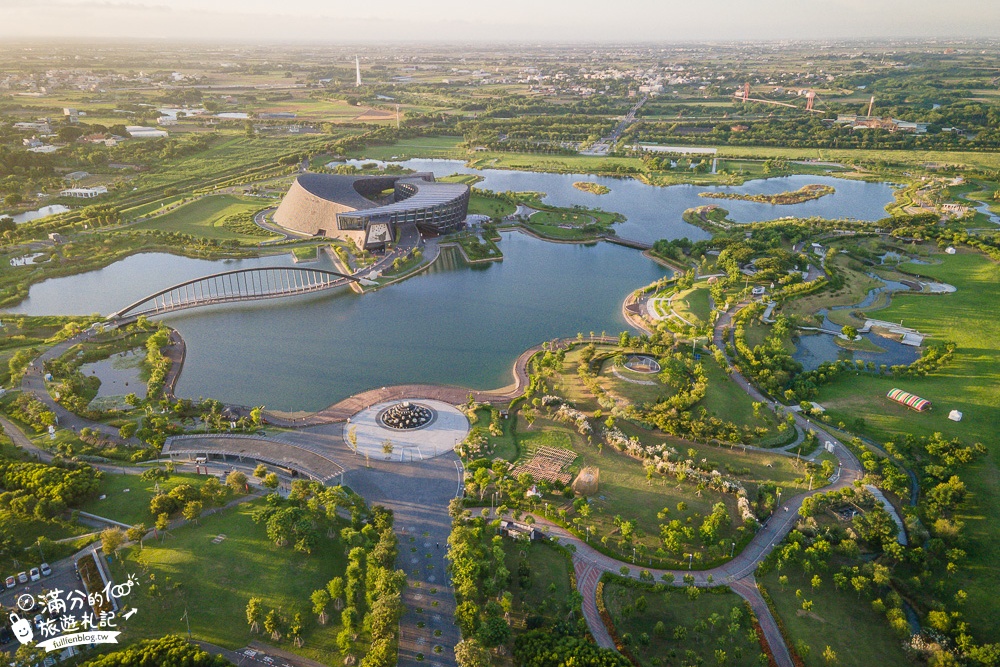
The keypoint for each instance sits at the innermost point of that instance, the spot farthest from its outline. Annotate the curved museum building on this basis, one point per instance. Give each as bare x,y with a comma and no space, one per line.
368,209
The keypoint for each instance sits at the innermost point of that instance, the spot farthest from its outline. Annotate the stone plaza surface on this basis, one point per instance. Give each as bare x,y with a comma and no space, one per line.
447,428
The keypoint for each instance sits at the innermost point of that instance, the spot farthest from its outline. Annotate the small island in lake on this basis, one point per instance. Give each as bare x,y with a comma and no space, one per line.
592,188
803,194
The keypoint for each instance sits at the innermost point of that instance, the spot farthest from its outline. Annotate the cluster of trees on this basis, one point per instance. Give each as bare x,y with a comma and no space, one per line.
371,590
367,596
168,651
65,484
29,410
771,364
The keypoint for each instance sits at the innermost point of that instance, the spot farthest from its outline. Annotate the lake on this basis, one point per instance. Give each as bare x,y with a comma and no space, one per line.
654,212
455,324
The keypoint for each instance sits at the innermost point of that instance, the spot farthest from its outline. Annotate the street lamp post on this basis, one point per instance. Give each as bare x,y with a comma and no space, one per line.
690,560
733,550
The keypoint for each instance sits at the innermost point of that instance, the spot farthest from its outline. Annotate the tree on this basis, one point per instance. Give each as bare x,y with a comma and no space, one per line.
260,472
274,624
112,539
193,510
335,588
237,481
271,481
850,333
320,599
470,653
255,614
830,656
136,533
295,630
387,448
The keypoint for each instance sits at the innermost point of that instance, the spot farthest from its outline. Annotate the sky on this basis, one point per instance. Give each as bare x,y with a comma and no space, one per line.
533,21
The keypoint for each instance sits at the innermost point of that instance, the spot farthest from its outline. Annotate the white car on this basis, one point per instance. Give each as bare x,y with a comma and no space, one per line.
11,582
36,574
22,577
46,570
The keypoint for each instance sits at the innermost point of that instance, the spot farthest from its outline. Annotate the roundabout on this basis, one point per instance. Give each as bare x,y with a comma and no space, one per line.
406,430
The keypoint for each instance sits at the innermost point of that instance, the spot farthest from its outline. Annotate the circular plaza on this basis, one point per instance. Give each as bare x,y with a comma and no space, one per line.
406,430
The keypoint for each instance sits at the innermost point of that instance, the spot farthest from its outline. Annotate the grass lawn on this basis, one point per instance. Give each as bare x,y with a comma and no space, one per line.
726,400
560,233
857,633
548,586
25,531
693,304
132,507
204,218
624,490
560,218
431,147
495,208
968,384
633,391
715,621
213,582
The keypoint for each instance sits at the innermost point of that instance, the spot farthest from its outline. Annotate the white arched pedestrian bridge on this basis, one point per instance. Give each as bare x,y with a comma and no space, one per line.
232,286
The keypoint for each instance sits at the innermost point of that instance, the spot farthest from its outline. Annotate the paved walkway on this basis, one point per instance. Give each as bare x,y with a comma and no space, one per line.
448,427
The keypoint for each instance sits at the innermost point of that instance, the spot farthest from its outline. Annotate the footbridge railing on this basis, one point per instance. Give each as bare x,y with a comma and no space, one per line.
239,285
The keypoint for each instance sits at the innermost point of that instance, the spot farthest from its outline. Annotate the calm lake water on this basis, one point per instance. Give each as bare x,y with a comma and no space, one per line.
655,212
455,324
40,213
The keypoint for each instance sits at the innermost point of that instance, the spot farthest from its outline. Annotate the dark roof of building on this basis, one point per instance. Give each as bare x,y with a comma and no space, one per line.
354,191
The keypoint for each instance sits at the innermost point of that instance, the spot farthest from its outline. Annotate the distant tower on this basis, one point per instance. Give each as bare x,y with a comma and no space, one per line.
810,99
357,71
746,91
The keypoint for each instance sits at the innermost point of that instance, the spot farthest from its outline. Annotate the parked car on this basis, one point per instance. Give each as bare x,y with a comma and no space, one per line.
46,570
11,582
36,574
22,577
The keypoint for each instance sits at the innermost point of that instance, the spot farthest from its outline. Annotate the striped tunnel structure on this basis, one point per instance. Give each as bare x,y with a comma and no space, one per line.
909,400
233,286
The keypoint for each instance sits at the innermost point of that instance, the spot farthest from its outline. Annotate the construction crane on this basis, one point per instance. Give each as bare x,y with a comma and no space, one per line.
744,95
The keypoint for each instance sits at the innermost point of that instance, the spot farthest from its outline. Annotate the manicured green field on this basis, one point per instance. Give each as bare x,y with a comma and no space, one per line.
694,304
714,622
547,588
968,384
495,208
857,633
132,506
204,218
561,218
433,147
213,583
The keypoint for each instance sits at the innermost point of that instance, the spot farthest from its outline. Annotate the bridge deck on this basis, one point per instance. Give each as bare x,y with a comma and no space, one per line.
307,462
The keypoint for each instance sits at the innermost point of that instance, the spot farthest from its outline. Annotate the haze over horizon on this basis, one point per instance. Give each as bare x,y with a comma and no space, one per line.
339,21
